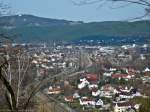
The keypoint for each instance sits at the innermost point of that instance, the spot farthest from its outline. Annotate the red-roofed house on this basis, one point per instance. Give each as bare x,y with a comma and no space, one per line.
54,90
69,98
119,76
123,106
92,77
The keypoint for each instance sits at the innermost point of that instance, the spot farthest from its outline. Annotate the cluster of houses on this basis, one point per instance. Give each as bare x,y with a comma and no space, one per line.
126,107
44,59
46,62
125,73
146,75
122,98
89,83
89,93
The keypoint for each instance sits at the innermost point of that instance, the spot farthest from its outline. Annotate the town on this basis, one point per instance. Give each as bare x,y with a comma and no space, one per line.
85,78
74,55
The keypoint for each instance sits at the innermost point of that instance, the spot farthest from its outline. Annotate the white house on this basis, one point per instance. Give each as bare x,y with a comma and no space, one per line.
126,96
76,95
126,89
91,86
35,61
83,84
36,56
99,103
86,101
146,70
95,92
137,94
83,79
112,69
107,74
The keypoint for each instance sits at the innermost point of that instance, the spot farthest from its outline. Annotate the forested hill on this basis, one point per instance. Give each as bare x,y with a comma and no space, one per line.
32,28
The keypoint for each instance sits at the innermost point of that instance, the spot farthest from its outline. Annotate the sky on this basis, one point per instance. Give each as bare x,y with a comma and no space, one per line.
65,9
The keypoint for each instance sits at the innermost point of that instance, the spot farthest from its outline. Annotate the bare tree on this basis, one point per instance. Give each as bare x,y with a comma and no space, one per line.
143,3
14,70
16,77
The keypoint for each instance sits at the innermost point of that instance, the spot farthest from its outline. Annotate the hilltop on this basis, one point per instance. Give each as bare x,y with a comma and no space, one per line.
32,28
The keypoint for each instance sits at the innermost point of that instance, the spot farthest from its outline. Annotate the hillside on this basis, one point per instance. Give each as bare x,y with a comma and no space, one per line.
32,28
30,20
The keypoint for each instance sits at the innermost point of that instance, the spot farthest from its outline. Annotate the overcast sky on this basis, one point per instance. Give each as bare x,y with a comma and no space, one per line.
65,9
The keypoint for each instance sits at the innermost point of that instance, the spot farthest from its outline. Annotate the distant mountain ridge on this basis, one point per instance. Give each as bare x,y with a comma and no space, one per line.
30,20
31,28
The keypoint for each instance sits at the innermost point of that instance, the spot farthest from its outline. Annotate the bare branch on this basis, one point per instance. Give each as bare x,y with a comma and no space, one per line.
8,87
139,2
143,3
83,2
120,6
